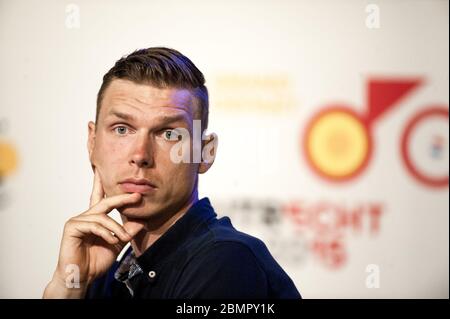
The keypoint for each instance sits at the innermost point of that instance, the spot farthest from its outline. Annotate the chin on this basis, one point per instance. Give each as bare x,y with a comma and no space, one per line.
138,211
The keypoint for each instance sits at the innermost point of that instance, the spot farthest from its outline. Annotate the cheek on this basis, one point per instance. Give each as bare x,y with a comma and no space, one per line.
109,153
183,174
181,177
107,158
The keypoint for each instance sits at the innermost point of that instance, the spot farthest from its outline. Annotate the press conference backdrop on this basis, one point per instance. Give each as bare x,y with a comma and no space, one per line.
332,119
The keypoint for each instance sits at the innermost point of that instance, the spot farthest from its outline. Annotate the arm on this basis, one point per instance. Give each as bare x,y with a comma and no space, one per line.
90,244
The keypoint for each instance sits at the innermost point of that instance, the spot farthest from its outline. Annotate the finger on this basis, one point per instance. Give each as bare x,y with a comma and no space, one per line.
83,228
97,189
108,204
109,224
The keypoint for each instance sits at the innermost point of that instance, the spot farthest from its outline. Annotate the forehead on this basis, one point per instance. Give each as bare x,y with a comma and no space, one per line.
123,95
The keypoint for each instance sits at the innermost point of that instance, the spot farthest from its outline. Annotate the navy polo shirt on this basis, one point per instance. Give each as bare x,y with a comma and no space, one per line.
200,256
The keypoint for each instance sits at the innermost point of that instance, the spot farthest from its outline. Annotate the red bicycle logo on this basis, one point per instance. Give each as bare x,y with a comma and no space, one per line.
338,142
427,133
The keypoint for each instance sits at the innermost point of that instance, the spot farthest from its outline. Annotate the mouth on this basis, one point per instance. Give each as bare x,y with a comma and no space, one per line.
134,185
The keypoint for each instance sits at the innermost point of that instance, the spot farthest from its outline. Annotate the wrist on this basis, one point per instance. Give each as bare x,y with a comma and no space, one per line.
59,288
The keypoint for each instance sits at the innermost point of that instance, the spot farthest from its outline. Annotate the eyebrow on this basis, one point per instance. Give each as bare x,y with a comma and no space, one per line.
164,119
121,115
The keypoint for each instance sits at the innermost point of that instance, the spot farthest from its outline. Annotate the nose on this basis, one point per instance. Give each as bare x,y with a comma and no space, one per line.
142,152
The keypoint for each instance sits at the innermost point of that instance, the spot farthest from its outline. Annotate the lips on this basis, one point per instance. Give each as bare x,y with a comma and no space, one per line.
133,185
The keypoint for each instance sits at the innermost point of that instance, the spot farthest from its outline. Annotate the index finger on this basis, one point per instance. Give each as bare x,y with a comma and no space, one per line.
108,204
97,190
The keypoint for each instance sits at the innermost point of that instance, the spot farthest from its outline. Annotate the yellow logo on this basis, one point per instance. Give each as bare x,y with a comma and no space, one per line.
337,144
8,159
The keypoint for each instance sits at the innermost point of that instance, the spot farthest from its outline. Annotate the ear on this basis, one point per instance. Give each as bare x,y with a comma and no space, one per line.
91,142
209,150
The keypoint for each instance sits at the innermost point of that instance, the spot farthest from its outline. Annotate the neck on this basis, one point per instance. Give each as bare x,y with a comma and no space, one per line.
155,228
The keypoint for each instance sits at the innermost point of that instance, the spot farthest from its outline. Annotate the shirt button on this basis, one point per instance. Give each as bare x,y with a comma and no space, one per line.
152,274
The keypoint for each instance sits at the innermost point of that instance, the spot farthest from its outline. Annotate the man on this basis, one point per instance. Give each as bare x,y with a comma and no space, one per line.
147,110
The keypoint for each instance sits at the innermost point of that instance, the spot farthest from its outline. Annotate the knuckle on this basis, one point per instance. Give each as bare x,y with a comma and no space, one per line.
102,219
96,227
102,205
69,223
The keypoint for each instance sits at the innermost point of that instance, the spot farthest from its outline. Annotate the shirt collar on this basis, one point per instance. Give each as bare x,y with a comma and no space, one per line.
199,213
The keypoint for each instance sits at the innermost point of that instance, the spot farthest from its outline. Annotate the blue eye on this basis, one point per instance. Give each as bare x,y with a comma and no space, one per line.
121,130
171,135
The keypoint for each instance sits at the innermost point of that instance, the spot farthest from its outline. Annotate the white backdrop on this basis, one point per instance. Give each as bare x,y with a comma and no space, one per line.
270,66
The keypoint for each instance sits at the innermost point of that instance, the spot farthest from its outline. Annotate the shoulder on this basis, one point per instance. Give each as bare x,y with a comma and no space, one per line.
222,235
224,238
223,269
227,263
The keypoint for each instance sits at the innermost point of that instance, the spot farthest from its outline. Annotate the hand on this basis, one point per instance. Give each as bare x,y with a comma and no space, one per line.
91,242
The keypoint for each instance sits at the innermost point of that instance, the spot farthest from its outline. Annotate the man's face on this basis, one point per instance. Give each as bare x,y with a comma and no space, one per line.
131,140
